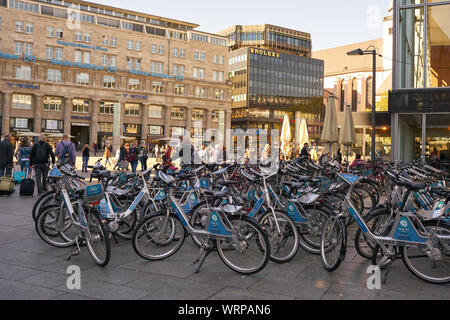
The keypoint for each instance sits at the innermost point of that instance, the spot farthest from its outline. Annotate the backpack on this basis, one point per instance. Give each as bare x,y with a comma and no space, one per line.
41,153
66,152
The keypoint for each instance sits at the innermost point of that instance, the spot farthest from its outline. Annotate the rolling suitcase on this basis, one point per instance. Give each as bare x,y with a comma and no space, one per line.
27,187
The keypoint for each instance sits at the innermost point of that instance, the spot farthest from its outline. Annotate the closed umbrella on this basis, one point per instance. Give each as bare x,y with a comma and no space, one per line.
330,128
285,136
348,137
303,135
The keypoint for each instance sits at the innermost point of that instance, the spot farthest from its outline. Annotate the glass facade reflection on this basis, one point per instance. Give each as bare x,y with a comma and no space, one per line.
419,103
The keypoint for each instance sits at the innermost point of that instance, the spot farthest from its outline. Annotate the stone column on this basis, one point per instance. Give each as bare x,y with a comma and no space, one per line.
144,123
167,121
6,111
188,121
68,105
227,125
208,124
95,109
38,106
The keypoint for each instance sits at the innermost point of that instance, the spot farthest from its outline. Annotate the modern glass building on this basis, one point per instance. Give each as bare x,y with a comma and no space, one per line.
420,100
273,74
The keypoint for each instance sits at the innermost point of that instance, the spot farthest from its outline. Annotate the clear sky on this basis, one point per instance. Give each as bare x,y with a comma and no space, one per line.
331,22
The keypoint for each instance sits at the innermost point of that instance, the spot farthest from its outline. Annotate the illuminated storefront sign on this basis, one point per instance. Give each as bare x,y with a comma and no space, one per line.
265,52
24,85
156,75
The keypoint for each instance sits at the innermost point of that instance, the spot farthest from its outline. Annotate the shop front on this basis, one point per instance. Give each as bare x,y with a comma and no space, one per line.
132,132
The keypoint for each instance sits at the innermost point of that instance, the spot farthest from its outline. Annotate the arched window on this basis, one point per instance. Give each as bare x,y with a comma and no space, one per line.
354,94
342,97
369,94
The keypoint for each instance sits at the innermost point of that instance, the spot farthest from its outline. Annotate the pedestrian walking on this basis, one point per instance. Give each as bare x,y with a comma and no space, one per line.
107,156
65,150
132,156
24,157
6,156
123,163
86,154
143,156
39,160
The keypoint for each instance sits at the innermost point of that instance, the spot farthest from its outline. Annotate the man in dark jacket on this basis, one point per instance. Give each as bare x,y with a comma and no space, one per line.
39,159
6,156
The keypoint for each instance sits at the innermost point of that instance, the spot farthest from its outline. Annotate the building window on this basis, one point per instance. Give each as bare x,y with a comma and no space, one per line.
130,44
106,107
109,81
215,59
369,94
59,33
21,101
58,53
354,94
198,114
177,131
18,48
108,60
182,53
77,56
155,112
156,130
133,64
105,41
23,73
19,26
87,57
50,31
177,113
131,109
29,28
134,84
200,92
154,47
78,36
106,127
138,46
157,87
161,49
83,79
215,115
218,75
219,94
179,89
49,53
178,70
54,75
113,42
28,49
200,56
156,67
198,73
52,104
52,125
175,52
131,128
221,60
19,123
80,106
87,37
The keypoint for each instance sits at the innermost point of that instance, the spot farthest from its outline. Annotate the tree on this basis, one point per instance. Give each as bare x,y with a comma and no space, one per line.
383,103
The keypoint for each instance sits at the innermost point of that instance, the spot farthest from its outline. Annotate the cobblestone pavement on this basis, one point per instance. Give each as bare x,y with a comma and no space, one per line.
31,269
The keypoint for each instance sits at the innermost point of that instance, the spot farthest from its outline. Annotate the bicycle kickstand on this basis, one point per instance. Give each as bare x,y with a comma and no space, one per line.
204,252
77,250
386,273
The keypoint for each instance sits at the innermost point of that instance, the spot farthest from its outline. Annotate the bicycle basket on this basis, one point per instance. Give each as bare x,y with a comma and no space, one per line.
94,193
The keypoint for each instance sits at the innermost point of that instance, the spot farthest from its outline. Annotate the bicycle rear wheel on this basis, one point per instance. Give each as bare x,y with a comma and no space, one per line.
333,243
97,239
41,201
430,265
158,236
248,251
48,226
311,233
283,244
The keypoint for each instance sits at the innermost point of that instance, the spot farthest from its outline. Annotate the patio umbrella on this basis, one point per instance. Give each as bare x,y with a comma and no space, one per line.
58,135
285,136
303,135
348,137
330,128
28,134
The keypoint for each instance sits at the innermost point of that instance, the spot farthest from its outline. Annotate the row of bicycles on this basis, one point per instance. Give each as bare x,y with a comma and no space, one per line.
251,214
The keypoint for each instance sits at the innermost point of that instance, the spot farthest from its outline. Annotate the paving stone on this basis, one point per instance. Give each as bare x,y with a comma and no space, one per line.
233,293
14,290
10,272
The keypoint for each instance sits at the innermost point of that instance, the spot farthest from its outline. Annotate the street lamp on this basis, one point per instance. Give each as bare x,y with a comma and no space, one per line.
373,52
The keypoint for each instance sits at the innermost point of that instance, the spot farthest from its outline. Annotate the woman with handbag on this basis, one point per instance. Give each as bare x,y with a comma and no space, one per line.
132,156
123,163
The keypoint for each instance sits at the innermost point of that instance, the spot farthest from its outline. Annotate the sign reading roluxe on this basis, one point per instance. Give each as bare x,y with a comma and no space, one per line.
265,52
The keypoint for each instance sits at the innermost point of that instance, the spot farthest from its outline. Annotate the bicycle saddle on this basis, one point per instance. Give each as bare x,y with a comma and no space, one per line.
411,185
216,194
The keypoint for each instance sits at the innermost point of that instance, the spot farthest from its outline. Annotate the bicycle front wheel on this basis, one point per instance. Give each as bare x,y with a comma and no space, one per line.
248,251
97,239
51,224
430,265
158,236
333,243
284,242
